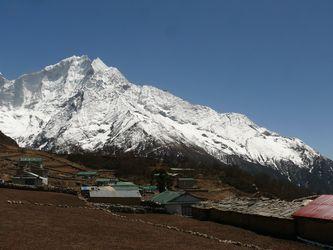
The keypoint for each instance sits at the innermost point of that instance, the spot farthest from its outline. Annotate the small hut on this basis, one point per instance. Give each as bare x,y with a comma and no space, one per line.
315,220
176,202
186,183
124,193
87,174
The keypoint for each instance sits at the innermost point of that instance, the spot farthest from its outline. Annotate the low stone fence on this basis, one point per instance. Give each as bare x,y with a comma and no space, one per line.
117,208
39,188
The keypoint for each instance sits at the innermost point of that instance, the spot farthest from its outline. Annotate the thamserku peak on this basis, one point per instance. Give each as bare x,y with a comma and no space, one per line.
80,104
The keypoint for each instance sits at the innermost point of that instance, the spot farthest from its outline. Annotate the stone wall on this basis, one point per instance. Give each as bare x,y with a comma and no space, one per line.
39,188
278,227
315,230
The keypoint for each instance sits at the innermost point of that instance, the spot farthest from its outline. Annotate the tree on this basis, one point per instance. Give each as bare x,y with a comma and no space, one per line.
162,179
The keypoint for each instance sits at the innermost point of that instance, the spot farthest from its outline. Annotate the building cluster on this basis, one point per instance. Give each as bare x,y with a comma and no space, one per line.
113,191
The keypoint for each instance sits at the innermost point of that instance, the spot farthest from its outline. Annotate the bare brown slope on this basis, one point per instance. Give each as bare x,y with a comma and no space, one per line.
7,141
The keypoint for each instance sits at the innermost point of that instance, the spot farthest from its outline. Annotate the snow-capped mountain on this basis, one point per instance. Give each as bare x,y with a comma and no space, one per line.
80,104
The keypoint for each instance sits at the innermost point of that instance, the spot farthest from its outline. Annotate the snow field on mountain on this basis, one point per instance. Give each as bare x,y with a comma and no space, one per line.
84,103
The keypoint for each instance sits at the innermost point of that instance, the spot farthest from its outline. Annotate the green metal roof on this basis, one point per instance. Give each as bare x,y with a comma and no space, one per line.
149,188
31,159
125,185
186,179
166,196
86,173
103,180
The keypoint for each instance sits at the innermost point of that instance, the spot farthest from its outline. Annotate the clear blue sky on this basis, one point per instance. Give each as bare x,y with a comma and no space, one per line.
271,60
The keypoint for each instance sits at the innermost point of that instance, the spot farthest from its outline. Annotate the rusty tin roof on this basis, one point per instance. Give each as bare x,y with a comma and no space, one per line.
320,208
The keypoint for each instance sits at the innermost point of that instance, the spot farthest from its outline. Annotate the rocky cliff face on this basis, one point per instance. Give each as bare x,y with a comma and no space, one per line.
83,105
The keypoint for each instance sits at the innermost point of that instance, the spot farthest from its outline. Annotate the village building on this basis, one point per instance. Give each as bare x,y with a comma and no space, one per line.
31,172
315,220
103,181
85,191
186,183
28,179
182,172
108,172
176,202
149,189
123,193
179,170
87,174
30,162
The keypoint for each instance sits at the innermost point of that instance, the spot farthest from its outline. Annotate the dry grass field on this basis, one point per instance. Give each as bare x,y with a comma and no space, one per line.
32,226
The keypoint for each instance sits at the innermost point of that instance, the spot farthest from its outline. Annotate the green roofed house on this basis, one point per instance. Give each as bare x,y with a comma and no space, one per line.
87,174
31,159
176,202
103,181
125,185
30,162
186,183
149,189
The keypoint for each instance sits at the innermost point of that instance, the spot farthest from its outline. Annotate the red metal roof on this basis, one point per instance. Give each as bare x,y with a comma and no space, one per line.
320,208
